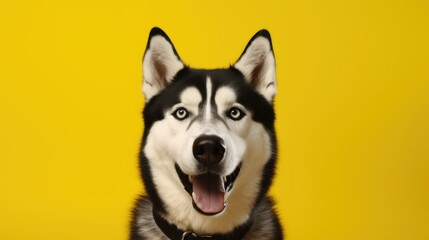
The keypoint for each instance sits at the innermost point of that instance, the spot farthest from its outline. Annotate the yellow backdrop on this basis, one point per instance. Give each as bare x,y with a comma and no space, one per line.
353,111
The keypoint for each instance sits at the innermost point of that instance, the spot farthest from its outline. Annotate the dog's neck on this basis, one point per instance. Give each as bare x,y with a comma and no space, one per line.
174,233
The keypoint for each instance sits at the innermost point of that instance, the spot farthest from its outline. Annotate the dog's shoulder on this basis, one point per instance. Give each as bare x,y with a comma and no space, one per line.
266,225
143,225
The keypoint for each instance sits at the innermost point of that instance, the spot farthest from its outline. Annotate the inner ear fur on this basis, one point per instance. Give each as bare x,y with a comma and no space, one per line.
160,63
257,64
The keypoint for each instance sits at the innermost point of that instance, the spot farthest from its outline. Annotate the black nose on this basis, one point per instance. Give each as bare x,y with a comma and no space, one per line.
208,149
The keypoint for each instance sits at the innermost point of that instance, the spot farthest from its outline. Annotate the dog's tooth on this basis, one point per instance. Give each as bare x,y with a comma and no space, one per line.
225,183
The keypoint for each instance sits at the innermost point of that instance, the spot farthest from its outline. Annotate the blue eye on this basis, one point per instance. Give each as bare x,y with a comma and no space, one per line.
235,113
181,114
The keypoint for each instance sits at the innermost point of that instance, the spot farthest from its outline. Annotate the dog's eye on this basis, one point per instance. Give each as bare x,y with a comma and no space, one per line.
181,113
235,114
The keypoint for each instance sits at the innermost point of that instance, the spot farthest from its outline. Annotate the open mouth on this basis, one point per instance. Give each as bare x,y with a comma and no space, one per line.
208,190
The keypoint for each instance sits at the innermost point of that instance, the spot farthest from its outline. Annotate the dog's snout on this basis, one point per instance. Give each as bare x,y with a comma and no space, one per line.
208,149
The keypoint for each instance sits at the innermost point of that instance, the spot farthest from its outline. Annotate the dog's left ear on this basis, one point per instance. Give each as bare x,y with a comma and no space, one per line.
257,64
160,63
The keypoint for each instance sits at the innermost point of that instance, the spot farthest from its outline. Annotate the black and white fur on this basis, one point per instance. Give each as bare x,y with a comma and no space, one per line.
232,105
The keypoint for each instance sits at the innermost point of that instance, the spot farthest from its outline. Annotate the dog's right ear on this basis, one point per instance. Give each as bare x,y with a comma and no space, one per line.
160,63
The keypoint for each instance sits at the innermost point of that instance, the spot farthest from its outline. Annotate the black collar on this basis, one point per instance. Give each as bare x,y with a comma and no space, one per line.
174,233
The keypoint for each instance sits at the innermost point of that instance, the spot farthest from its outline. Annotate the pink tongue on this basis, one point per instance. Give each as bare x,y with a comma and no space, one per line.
209,193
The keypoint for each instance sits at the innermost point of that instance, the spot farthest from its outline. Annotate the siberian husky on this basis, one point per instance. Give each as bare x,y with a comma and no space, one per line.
208,152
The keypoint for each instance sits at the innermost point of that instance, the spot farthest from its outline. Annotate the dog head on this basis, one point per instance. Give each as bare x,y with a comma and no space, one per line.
208,150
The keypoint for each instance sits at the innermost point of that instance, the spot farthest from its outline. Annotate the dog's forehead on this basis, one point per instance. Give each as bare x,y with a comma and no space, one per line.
222,94
191,96
210,90
198,85
225,95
